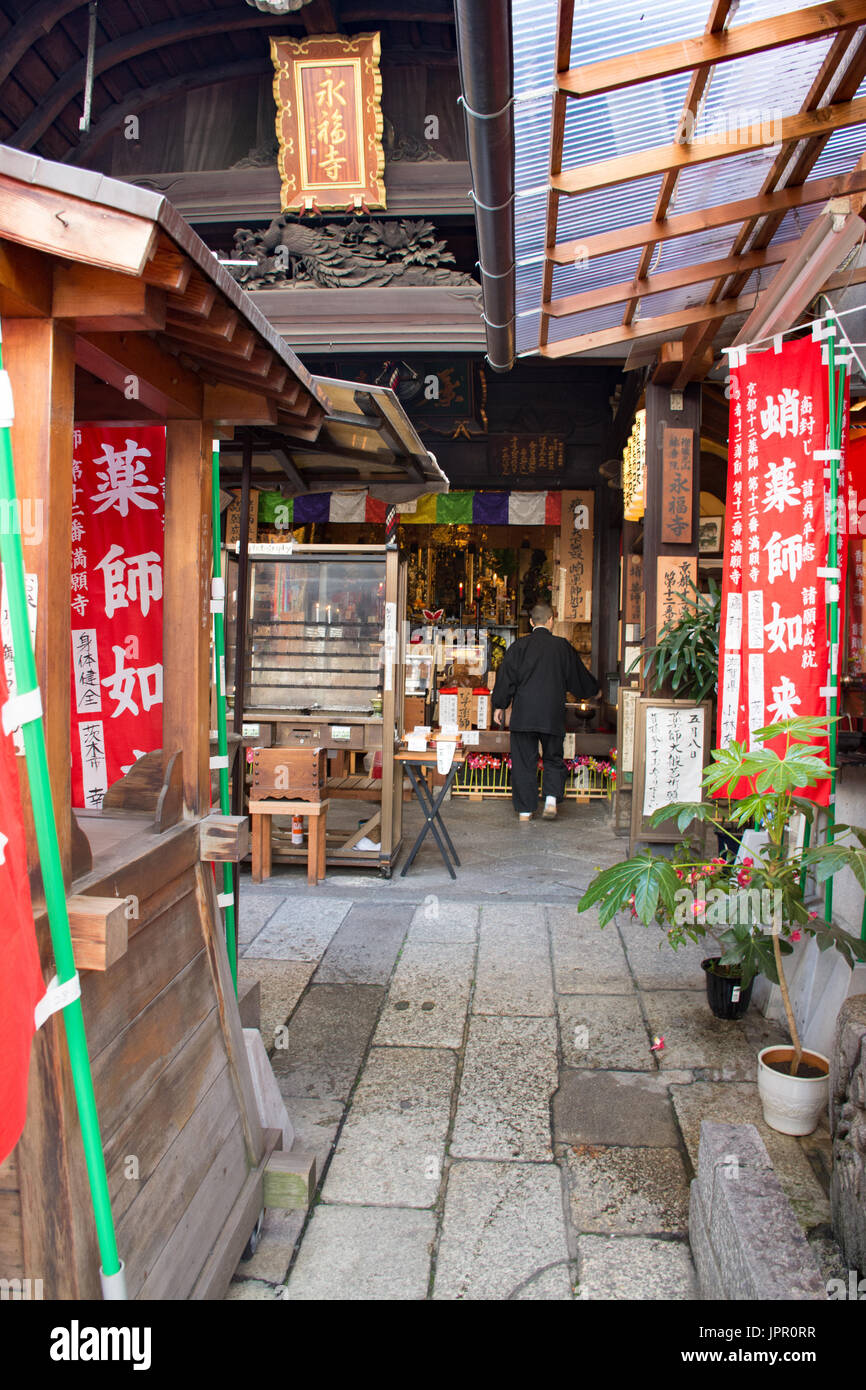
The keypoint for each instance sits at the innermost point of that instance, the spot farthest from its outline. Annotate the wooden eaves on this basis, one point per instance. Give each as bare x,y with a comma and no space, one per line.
829,105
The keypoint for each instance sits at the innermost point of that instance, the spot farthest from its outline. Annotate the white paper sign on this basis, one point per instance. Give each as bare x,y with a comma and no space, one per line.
416,743
94,773
673,756
340,732
756,620
470,738
629,705
85,669
444,755
734,627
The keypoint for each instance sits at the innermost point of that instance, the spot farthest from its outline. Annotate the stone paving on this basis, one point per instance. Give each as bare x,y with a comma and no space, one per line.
472,1064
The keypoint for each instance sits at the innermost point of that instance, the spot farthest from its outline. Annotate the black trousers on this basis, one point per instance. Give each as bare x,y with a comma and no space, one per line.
524,768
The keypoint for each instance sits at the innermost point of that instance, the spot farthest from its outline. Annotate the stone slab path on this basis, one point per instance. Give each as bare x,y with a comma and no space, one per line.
472,1063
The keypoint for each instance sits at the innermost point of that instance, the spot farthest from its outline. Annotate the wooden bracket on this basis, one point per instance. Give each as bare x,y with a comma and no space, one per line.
224,838
289,1180
99,928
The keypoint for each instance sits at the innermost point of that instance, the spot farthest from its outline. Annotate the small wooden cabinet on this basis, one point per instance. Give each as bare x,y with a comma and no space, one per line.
321,664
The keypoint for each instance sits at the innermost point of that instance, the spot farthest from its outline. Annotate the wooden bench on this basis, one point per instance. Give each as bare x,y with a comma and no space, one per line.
355,788
261,813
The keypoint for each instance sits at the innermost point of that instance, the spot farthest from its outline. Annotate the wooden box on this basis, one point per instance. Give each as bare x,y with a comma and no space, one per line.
291,774
413,711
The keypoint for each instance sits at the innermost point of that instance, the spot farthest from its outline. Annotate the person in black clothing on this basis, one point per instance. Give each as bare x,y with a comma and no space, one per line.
534,677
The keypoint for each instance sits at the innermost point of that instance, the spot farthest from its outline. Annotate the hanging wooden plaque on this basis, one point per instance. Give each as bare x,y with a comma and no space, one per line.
328,92
575,556
674,592
677,483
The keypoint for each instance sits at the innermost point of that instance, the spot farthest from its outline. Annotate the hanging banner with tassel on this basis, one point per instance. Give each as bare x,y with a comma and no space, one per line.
775,660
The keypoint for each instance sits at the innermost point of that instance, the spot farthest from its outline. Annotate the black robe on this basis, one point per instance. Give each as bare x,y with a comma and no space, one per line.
535,674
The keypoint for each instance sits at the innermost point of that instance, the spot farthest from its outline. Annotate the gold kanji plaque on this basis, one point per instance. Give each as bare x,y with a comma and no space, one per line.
328,92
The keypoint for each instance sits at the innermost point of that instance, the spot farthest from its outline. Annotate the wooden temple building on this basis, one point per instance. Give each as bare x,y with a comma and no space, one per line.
548,253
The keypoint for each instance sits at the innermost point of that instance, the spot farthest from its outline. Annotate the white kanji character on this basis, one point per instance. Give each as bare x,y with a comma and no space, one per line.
784,555
121,685
124,479
785,698
782,491
782,415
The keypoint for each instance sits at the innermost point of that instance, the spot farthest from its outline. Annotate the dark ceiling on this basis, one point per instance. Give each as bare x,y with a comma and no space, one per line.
147,53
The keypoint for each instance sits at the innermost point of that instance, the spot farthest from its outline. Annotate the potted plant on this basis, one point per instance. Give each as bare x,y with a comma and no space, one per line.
756,908
686,658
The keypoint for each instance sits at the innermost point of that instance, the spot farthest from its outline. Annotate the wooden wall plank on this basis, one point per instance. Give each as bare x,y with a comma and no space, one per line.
186,590
148,1133
126,1069
201,1223
168,1231
153,959
11,1241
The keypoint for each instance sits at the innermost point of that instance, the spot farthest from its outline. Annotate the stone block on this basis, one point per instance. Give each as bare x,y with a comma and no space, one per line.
759,1249
848,1128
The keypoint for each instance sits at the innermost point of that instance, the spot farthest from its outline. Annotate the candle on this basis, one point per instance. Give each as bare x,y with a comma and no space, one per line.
329,612
317,612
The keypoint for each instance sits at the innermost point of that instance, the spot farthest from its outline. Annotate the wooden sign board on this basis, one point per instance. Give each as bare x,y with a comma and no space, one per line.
674,593
575,556
328,93
626,708
632,586
677,484
671,750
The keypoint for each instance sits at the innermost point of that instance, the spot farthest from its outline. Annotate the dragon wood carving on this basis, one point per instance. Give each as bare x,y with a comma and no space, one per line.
361,254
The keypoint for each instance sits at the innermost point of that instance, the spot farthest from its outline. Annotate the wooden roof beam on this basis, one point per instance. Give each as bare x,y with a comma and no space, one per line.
25,283
101,300
759,135
837,79
168,268
716,22
811,260
705,219
73,228
235,405
666,60
243,345
647,328
137,367
666,280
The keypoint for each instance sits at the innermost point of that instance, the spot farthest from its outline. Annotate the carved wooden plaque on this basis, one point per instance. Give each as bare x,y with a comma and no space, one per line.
328,92
677,481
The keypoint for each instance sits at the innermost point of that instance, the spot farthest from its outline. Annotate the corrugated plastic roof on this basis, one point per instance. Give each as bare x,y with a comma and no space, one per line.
756,90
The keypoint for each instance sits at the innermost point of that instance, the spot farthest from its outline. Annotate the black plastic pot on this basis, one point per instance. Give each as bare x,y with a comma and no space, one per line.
729,841
721,990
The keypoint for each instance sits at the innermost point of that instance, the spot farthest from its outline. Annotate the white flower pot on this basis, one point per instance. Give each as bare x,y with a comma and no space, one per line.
792,1104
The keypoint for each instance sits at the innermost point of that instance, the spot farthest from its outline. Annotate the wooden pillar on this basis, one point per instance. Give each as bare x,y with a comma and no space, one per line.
186,605
605,584
58,1235
39,356
659,415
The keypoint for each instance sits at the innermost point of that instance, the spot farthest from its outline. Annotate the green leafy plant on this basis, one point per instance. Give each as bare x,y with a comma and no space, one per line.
687,652
690,897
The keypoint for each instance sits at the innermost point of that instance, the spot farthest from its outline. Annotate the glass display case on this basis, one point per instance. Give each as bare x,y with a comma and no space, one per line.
320,662
315,636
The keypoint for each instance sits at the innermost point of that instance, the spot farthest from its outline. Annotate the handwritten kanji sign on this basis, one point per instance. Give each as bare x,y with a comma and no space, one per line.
675,576
118,521
328,94
774,650
575,556
677,480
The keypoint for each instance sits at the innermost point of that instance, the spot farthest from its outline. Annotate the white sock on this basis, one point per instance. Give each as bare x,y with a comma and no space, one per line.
550,801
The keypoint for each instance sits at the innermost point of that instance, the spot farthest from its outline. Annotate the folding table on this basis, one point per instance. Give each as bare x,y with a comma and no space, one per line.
430,804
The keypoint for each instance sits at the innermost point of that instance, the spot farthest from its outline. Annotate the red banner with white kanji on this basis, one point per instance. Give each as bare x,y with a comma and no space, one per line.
21,982
118,532
774,652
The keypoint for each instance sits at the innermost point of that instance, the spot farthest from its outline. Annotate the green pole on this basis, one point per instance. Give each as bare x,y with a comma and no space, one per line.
222,736
836,412
111,1272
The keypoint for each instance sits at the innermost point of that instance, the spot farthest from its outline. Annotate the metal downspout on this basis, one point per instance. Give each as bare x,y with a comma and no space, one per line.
486,81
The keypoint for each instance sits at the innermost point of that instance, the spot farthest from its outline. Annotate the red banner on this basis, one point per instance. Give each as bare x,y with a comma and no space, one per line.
118,526
774,653
21,983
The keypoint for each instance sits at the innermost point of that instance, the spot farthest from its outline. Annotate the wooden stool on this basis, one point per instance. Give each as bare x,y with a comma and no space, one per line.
317,826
